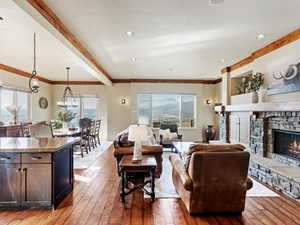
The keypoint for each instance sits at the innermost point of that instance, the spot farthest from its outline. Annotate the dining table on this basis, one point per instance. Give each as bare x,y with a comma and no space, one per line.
66,132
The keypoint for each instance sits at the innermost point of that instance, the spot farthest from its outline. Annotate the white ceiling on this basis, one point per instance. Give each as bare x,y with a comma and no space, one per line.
16,47
190,37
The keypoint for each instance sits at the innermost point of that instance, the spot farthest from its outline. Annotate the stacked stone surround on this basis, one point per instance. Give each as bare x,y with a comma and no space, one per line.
278,171
277,175
224,127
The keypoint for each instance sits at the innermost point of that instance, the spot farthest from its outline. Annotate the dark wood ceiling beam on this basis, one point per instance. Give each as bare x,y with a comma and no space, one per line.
28,75
22,73
287,39
53,19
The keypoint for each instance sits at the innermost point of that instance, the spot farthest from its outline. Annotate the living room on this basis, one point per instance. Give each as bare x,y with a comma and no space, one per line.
138,112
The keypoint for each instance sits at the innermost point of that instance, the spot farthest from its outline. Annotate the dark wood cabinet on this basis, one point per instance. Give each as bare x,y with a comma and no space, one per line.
35,179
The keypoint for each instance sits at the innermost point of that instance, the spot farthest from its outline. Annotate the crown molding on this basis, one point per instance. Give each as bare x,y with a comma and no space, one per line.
23,73
116,81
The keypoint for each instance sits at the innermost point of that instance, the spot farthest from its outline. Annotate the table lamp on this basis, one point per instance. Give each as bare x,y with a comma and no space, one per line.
138,133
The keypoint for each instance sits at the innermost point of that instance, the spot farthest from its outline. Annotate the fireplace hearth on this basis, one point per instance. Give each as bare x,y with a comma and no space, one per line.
287,143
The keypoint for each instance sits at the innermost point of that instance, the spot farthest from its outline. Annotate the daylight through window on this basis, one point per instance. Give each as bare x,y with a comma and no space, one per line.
173,108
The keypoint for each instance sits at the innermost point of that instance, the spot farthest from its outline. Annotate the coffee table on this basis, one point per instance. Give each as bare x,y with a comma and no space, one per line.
182,146
146,167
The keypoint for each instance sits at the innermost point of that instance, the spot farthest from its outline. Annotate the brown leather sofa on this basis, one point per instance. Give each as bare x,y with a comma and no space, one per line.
212,178
121,149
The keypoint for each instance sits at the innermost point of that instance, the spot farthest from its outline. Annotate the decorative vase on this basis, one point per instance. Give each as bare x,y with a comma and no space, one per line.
255,97
261,96
210,133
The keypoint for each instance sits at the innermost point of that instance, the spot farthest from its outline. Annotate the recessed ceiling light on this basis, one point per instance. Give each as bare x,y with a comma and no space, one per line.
260,36
216,2
133,59
129,33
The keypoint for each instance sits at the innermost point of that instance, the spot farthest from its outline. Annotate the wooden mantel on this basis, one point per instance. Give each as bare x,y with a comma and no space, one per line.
261,107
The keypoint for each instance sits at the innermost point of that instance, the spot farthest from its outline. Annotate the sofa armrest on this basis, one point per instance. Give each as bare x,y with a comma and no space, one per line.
178,167
249,183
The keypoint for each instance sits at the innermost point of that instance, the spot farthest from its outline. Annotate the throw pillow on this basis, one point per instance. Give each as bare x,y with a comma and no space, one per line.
165,133
124,142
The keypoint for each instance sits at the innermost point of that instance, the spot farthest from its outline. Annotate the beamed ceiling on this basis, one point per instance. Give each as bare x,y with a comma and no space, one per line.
173,39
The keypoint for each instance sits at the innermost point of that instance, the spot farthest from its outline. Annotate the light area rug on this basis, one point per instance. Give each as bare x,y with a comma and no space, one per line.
164,187
91,157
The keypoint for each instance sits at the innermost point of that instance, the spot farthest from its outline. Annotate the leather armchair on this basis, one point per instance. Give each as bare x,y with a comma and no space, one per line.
155,150
213,181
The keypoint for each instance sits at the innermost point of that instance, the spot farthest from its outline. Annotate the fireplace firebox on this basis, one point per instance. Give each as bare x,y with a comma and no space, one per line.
287,143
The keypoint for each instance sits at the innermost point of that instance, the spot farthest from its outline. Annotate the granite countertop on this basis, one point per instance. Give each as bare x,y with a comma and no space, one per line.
31,145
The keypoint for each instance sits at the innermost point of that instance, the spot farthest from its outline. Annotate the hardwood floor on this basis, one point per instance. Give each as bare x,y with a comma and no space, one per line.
95,200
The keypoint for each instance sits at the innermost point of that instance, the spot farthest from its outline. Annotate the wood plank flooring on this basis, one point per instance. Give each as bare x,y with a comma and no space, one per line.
95,201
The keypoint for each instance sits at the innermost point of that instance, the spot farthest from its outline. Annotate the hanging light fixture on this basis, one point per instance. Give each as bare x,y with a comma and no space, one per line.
68,99
33,81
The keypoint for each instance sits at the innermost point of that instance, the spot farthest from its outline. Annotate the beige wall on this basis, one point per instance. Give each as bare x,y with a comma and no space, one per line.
286,55
117,117
38,114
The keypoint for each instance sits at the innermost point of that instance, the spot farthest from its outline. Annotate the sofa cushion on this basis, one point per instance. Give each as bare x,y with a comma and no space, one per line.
186,156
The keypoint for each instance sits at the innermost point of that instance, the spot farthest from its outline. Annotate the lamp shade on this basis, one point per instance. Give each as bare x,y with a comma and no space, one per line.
138,132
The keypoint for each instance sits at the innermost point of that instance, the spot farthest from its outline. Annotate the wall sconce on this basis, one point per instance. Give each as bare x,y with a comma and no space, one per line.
123,101
208,101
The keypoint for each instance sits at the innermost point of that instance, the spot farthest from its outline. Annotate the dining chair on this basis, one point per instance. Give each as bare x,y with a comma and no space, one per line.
53,127
97,131
41,130
92,131
25,129
84,142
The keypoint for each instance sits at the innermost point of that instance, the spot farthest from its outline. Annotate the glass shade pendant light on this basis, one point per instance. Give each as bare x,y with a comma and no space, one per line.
33,81
68,99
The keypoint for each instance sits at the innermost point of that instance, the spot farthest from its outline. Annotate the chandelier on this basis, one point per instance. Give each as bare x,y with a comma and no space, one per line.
68,99
33,81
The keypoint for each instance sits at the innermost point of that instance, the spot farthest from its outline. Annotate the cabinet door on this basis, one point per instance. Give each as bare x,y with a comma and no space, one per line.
10,180
36,185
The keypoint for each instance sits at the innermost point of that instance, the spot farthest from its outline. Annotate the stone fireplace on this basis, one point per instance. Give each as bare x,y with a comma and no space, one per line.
287,143
268,131
274,144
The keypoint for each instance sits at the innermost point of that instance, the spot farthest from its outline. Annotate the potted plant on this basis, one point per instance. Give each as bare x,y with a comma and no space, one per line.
65,117
255,83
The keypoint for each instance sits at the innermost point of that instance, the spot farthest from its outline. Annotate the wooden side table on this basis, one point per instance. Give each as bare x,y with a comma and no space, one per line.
146,166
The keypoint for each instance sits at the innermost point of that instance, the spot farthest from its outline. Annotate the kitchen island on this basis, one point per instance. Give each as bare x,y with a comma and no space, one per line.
35,172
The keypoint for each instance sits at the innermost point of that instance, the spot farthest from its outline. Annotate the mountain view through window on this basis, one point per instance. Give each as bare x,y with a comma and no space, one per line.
171,108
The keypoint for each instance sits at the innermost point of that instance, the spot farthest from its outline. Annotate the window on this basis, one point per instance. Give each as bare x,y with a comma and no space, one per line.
87,108
158,108
15,97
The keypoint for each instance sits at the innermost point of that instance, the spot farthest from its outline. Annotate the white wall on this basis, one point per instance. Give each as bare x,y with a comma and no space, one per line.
38,114
286,55
117,117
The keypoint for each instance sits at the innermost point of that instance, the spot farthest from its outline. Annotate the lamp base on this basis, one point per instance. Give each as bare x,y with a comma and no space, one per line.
135,160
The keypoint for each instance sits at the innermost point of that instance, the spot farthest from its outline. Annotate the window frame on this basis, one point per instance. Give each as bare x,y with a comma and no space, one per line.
81,105
180,107
15,101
